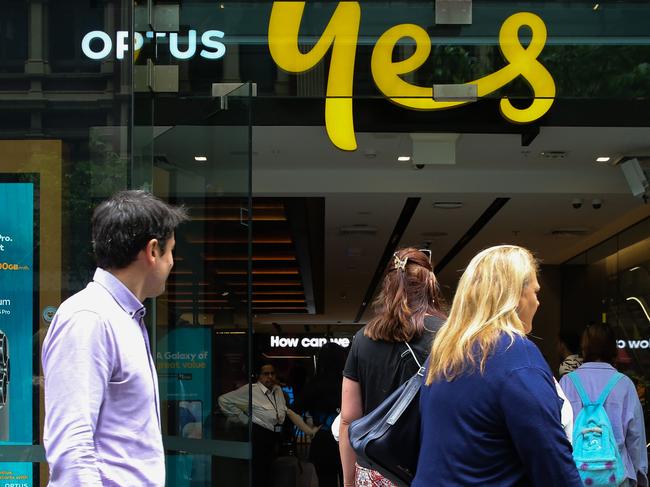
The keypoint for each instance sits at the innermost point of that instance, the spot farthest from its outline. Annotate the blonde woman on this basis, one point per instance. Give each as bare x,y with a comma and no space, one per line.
490,411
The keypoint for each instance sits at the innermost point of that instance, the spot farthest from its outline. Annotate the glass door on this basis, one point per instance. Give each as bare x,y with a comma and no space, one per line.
201,327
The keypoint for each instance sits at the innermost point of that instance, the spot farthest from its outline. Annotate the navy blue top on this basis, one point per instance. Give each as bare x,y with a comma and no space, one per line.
501,428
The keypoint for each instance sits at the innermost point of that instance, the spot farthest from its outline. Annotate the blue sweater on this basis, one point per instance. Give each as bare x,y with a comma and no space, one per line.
501,428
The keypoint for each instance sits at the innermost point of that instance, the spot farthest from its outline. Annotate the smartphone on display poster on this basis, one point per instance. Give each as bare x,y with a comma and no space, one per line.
190,419
4,387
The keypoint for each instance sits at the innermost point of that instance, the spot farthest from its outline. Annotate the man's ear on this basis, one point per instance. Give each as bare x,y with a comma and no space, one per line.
152,250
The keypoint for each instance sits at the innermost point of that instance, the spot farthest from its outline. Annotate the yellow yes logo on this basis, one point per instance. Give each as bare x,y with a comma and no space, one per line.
341,36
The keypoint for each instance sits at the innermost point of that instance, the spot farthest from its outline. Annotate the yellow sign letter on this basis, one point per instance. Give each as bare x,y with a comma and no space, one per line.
522,62
341,34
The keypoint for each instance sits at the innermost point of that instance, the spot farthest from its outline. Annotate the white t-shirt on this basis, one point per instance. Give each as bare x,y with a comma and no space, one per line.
566,412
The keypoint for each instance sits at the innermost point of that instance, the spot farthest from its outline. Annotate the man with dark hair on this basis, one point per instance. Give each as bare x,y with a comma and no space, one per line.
102,412
269,412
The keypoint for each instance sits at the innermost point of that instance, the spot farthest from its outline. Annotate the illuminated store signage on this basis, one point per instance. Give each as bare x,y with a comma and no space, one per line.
341,36
306,342
634,344
99,45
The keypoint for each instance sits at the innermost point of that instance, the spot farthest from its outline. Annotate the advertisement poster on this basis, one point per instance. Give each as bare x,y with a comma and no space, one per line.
16,325
184,364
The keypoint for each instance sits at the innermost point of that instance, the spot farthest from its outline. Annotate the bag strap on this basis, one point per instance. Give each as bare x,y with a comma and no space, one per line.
603,395
581,390
421,369
608,388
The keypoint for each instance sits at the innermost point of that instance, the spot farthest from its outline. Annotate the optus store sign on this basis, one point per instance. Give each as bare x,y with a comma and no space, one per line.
99,44
341,35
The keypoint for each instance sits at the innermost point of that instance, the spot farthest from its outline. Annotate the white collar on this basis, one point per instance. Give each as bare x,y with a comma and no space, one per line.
265,389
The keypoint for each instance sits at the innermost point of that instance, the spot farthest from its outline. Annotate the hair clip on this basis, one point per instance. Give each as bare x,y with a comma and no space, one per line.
399,264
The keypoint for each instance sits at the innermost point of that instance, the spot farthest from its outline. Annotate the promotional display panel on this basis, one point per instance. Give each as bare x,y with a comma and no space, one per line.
16,324
183,361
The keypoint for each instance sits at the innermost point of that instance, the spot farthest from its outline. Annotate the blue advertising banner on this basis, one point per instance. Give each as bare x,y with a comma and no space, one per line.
184,364
16,325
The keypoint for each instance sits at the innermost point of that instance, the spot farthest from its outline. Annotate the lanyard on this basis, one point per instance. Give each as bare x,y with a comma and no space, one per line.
274,403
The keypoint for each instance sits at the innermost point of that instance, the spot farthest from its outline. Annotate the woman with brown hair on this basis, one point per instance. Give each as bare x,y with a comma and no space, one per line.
407,316
622,405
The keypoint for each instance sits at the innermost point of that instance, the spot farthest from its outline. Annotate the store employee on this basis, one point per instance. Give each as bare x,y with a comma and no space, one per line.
269,406
269,412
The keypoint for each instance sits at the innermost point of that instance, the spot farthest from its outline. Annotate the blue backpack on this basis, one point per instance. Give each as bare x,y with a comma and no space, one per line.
594,446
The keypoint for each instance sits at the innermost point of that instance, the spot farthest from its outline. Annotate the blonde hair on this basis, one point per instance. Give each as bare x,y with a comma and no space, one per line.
485,305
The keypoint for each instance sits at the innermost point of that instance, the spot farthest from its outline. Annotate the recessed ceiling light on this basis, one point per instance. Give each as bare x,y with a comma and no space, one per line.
596,6
448,205
603,159
404,158
200,158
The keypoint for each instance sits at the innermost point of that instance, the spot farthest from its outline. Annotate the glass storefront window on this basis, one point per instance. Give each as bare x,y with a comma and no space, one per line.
288,232
611,283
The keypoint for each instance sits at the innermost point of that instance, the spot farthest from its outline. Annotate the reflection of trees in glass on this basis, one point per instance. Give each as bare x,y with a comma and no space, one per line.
88,178
579,71
77,211
599,71
450,64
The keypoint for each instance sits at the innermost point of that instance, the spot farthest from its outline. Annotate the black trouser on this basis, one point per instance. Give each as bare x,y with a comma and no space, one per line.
265,444
324,454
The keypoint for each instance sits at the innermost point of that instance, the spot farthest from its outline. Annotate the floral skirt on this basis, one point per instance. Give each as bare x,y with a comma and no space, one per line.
364,477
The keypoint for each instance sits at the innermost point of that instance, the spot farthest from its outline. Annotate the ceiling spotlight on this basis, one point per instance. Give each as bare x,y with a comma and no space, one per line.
596,6
200,158
447,205
603,159
225,293
404,158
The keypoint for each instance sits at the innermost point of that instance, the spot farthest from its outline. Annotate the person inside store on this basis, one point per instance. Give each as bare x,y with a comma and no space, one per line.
102,411
490,414
408,313
622,405
321,400
269,413
568,348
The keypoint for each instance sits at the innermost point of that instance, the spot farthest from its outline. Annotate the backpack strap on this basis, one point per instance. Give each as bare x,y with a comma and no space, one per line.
608,388
577,383
421,369
603,395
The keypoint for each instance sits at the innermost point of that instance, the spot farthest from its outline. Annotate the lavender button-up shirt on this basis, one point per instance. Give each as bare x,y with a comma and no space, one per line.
102,415
624,411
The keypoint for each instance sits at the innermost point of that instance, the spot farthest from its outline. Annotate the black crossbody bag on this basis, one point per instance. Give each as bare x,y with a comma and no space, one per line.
388,438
